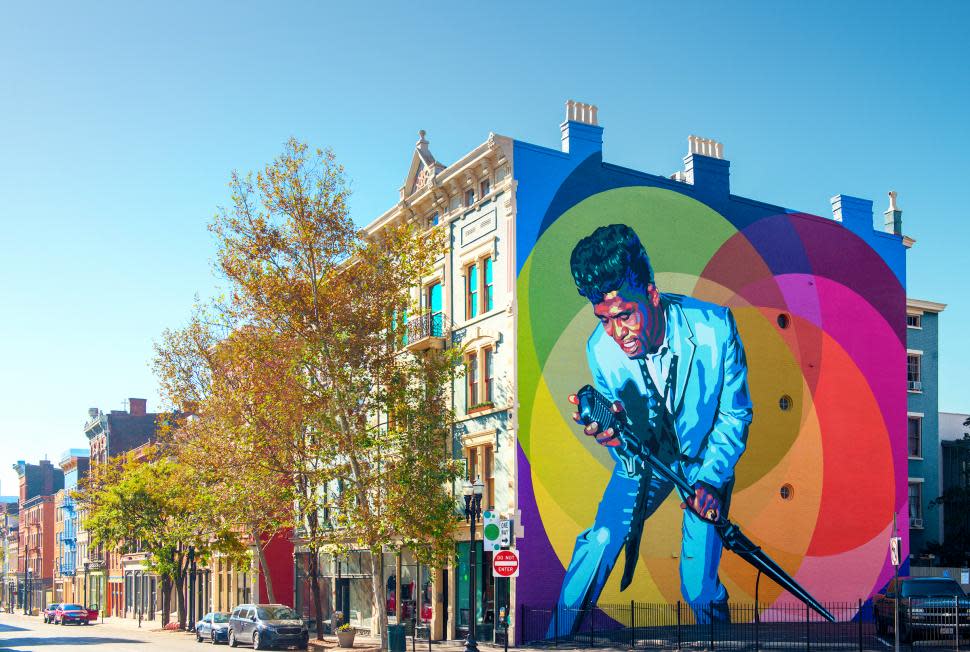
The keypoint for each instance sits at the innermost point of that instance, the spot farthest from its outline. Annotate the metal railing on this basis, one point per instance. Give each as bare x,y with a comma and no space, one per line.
427,325
733,626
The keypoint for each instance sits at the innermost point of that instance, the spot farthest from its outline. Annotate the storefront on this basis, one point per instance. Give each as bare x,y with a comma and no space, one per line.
491,594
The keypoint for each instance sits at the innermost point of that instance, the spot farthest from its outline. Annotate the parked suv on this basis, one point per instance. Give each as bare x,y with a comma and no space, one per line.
266,626
930,608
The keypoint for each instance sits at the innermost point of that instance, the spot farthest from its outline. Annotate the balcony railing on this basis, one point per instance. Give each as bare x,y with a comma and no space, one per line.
426,332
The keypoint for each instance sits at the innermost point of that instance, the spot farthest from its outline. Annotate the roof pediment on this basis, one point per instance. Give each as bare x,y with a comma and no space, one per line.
423,168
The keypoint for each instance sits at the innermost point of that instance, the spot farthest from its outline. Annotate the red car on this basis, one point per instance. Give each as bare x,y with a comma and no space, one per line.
71,613
49,612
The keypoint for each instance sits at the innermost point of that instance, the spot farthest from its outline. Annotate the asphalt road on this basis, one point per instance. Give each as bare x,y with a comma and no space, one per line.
21,633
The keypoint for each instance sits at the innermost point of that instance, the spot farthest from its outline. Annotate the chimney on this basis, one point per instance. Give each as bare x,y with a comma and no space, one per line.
137,407
894,216
581,134
855,213
705,167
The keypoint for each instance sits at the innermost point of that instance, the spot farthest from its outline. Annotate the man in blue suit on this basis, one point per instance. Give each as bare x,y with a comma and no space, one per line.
675,371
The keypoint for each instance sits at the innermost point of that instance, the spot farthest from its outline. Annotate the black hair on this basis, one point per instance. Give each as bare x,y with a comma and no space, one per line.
609,258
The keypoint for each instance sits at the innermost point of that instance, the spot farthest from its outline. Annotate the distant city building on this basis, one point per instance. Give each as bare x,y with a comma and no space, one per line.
923,439
955,475
110,434
38,485
74,463
9,508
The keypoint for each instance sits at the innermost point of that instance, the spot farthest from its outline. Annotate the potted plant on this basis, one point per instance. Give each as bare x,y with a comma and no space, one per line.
345,635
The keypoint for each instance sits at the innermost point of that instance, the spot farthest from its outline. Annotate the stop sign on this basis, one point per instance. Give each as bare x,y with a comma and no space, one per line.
505,563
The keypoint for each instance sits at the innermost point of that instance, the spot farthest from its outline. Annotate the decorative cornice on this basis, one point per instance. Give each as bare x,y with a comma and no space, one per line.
921,305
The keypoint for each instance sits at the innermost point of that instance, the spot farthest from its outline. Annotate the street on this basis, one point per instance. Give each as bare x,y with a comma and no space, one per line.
21,633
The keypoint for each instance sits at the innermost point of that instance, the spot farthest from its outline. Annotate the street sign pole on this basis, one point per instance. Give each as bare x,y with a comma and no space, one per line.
894,544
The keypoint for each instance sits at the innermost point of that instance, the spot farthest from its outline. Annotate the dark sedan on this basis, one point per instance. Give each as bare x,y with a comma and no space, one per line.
213,627
71,613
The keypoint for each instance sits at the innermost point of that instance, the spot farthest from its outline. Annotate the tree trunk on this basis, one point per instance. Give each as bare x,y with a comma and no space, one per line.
314,570
264,567
166,599
180,598
380,598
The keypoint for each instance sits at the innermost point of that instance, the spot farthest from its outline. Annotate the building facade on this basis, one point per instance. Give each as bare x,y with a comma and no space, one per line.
791,312
39,483
101,573
9,508
923,438
74,464
955,487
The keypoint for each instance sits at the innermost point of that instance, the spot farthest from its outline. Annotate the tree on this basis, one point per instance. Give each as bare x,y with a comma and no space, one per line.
150,503
955,549
300,366
224,440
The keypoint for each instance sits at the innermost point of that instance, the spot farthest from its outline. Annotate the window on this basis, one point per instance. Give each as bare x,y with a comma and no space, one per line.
913,372
914,321
915,438
480,371
472,292
481,464
484,187
469,197
471,399
479,288
488,287
434,219
489,374
432,304
916,504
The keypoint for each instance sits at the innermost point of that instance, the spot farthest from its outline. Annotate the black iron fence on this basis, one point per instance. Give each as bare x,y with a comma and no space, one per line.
735,626
426,325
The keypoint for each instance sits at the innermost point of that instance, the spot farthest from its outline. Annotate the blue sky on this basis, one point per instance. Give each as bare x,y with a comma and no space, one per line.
120,124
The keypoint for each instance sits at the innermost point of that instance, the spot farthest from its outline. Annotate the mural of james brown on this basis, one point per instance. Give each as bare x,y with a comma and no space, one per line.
675,371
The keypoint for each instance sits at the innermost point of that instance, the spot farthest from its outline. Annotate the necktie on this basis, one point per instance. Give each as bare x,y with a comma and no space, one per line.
659,436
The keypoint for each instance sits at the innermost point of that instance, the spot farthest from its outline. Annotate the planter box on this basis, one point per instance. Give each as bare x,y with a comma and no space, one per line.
346,639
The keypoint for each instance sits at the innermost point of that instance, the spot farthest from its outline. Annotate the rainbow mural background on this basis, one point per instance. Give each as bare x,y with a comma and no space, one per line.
821,311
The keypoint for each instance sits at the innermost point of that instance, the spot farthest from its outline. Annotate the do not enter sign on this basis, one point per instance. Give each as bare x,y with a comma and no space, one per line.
505,563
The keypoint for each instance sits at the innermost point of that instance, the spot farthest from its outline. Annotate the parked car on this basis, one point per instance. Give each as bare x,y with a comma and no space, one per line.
214,627
49,612
71,613
266,626
92,612
929,608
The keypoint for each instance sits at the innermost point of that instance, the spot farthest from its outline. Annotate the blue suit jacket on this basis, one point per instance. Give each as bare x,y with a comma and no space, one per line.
712,405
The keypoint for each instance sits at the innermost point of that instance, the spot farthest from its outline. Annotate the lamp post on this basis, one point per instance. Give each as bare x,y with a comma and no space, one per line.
87,565
473,510
30,592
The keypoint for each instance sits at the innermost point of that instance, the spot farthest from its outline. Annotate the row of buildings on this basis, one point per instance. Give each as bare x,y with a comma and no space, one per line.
49,557
839,367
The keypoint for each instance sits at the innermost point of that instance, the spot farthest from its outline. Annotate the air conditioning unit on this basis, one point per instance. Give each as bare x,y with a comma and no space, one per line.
916,522
915,386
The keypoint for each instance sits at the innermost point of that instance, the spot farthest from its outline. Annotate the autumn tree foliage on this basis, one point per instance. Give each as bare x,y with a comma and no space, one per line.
146,501
299,377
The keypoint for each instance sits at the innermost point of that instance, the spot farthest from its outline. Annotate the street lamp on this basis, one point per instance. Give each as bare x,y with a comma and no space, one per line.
87,565
473,510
